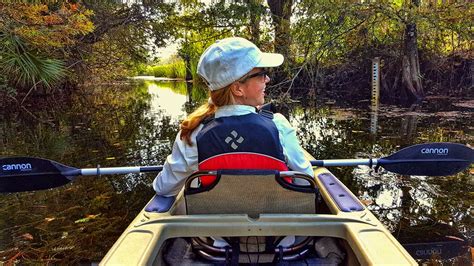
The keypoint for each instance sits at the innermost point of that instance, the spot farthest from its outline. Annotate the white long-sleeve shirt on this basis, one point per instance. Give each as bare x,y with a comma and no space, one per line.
183,160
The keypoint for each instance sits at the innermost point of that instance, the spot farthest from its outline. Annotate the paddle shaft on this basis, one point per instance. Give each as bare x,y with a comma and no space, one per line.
376,162
120,170
344,162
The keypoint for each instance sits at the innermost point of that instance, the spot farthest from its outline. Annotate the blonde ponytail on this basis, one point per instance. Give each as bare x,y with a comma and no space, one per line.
219,98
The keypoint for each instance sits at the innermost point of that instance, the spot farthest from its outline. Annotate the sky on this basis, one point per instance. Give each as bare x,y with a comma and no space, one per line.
165,52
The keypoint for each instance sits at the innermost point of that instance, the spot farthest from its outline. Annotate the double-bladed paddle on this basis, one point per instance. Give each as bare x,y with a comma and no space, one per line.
429,159
19,174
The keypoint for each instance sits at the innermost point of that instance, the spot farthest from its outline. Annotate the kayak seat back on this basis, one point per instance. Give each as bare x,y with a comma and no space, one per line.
239,160
252,192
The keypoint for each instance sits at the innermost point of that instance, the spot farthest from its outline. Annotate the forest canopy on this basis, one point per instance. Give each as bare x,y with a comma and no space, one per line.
424,46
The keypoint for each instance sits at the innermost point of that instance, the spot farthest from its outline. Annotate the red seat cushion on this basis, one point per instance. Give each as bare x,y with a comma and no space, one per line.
239,161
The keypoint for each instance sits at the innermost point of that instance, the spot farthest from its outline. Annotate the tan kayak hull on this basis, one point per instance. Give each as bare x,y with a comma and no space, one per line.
370,243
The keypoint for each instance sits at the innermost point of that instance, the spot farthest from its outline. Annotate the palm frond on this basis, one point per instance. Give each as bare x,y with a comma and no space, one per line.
27,67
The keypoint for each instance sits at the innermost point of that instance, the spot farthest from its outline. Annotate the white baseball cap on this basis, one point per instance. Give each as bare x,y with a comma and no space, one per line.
229,59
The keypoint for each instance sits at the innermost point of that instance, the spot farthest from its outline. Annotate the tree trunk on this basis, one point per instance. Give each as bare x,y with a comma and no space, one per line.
187,63
185,56
255,19
281,14
410,63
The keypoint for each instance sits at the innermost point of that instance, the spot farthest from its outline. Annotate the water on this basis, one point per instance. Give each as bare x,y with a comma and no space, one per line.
135,124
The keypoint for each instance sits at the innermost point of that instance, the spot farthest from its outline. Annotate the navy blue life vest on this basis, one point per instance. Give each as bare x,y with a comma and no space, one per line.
240,142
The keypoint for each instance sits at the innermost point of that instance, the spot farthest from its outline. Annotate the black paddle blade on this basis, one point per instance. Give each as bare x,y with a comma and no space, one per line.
19,174
430,159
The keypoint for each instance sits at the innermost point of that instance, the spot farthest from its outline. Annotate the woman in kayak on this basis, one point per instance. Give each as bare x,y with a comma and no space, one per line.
228,132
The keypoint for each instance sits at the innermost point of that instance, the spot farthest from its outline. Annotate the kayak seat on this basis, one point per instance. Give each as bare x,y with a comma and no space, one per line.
239,160
160,204
252,192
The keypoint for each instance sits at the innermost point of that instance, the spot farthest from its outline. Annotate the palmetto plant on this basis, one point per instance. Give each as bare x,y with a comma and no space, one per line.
27,68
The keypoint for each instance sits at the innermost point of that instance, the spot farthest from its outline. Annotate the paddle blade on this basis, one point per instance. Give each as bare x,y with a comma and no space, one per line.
19,174
430,159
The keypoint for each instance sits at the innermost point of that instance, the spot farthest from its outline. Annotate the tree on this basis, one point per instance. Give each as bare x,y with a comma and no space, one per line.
123,37
255,13
410,63
335,43
198,25
33,38
281,14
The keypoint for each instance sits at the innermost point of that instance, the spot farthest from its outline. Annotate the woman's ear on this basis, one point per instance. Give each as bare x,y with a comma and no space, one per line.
236,89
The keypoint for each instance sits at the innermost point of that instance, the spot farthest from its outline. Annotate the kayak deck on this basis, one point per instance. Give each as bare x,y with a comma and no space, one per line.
340,215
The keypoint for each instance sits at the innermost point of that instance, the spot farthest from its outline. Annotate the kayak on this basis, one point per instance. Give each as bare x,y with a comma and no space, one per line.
341,230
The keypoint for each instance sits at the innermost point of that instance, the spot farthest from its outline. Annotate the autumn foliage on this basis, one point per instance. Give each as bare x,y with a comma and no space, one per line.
44,28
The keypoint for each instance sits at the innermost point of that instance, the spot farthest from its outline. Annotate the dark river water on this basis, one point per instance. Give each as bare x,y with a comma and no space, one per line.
135,124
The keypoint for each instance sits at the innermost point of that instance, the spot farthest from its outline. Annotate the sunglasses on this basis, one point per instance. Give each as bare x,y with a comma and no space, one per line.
262,73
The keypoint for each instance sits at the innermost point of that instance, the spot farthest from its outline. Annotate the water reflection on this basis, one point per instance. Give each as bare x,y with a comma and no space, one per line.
136,124
374,117
402,203
116,126
166,102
